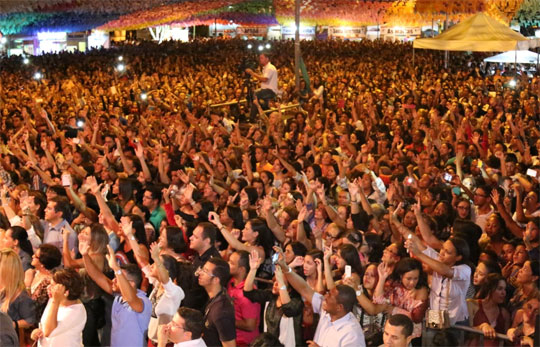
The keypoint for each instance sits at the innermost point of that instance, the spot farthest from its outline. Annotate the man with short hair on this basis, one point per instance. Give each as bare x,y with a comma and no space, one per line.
184,330
398,331
337,325
56,214
246,312
202,242
219,327
151,200
131,309
269,82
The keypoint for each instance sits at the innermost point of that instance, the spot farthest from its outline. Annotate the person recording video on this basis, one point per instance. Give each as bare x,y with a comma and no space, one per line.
269,83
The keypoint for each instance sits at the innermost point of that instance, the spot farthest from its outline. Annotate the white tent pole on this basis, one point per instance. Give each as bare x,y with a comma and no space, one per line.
515,62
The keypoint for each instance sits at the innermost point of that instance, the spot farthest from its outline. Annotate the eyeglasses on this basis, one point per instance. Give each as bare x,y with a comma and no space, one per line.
200,270
173,324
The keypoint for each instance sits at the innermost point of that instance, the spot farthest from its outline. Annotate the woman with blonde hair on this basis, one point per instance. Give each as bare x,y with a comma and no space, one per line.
14,299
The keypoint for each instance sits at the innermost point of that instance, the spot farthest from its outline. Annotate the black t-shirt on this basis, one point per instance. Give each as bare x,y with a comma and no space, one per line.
196,297
219,321
200,260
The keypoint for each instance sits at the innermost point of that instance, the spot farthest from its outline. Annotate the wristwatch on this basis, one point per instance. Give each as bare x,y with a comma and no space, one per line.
359,291
118,272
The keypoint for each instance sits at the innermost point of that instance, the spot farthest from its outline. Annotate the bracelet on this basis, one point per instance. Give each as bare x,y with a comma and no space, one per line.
118,272
289,270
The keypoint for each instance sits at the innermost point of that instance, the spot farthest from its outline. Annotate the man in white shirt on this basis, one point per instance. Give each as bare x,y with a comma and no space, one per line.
269,83
184,330
337,327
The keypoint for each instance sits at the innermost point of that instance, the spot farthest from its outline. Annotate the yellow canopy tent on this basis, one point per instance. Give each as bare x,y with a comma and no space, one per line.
479,33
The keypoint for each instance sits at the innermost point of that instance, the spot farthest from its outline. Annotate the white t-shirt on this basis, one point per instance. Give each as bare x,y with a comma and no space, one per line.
269,71
192,343
68,331
456,303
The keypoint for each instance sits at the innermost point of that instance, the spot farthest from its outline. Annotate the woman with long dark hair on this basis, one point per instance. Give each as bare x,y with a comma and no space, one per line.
16,238
347,255
487,312
123,189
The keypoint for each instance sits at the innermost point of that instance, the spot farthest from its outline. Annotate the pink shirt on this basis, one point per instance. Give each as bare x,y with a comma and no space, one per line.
243,309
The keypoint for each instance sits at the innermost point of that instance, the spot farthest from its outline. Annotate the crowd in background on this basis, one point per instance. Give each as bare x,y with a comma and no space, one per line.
134,212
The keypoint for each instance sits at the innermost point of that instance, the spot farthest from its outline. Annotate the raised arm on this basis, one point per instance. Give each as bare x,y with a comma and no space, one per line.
330,284
414,245
128,292
297,282
95,274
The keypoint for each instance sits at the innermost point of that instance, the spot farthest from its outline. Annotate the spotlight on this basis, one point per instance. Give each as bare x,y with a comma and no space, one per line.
249,46
512,83
38,75
268,46
80,123
120,67
144,96
260,48
26,61
120,58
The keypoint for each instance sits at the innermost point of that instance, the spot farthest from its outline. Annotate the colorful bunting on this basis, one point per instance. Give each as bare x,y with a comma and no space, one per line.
29,16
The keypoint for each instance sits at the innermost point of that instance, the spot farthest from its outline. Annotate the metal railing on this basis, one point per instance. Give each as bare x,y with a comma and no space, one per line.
500,337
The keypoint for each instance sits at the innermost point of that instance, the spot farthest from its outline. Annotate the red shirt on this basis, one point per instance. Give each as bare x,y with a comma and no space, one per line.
243,309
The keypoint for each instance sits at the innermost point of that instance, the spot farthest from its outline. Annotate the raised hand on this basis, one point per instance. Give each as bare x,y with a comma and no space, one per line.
154,251
214,218
111,259
384,271
302,214
58,293
92,184
139,150
297,261
327,252
495,196
254,260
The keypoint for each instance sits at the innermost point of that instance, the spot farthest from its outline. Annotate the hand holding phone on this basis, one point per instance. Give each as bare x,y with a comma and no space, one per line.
66,180
348,271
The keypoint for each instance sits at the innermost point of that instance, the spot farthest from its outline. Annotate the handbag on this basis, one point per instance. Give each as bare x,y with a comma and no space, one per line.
439,319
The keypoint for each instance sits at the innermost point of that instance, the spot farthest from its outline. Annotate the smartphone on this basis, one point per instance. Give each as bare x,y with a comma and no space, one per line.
275,258
347,271
447,177
480,164
409,181
66,180
531,172
76,140
456,190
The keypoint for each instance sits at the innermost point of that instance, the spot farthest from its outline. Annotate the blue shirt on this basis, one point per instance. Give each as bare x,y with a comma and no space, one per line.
129,327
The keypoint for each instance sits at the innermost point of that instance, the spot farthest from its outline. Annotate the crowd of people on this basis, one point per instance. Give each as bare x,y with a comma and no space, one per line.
398,201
